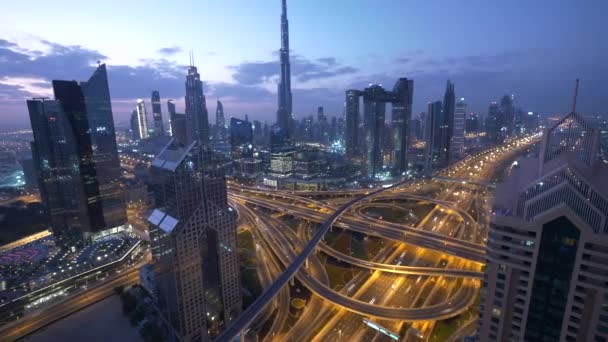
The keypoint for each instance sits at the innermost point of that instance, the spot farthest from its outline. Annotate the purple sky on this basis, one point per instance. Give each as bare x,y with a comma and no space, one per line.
532,49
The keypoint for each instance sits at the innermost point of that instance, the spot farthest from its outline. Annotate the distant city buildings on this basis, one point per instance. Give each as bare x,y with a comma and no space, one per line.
504,120
76,159
194,247
548,243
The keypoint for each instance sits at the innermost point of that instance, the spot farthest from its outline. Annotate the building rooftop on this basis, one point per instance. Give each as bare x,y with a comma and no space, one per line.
566,172
172,155
162,220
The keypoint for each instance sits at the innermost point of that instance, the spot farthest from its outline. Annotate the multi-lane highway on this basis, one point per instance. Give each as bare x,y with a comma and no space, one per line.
74,302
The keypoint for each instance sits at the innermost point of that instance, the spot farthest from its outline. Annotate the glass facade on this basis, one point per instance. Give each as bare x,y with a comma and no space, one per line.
555,263
241,138
197,120
75,152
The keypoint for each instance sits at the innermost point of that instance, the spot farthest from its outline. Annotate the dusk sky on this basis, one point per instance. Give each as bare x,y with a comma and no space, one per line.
532,49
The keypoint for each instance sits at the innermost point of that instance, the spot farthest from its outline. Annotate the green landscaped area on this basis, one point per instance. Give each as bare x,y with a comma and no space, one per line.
246,248
356,245
401,212
249,276
337,273
250,281
367,248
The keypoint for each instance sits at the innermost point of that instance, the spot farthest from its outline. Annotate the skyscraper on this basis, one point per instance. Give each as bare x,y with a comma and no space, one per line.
241,138
447,126
193,234
172,112
220,122
433,137
285,111
471,123
134,122
142,119
545,278
157,116
375,140
197,121
321,132
457,139
76,158
54,154
403,93
507,113
374,111
353,118
494,124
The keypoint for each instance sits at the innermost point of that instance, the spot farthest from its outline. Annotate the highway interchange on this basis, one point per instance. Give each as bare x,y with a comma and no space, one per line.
423,273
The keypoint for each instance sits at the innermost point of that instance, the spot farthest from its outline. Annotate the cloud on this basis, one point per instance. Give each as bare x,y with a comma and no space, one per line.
403,60
11,91
77,62
6,43
330,61
302,70
251,73
170,50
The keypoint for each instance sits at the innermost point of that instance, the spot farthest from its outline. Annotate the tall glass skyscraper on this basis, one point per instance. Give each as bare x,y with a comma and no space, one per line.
433,137
374,111
285,110
220,122
403,93
157,116
447,126
75,153
353,118
142,119
241,138
457,138
197,117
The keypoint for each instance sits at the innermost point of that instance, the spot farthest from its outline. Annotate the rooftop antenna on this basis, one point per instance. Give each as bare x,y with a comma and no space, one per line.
191,57
575,96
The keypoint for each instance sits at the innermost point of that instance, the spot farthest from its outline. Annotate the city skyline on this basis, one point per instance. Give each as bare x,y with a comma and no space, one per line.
243,72
345,209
